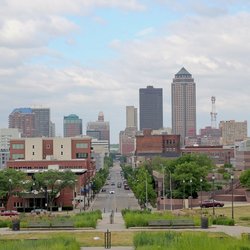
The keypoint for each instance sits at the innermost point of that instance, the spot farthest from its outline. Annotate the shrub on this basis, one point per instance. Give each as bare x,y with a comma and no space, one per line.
5,223
223,220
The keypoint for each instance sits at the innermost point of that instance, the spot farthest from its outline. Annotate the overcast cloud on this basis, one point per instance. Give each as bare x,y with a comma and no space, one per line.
44,51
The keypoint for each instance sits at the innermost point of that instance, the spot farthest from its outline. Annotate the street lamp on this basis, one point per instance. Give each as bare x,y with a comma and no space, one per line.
146,192
213,178
232,182
10,187
201,180
191,193
163,188
183,193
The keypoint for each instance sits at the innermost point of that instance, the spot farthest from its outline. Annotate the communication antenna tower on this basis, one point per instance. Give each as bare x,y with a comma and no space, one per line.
213,113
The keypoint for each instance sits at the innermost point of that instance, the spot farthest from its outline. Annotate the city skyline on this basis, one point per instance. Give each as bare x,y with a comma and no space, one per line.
83,57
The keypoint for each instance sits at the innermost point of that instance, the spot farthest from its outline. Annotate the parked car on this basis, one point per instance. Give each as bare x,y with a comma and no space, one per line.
112,184
119,184
111,191
38,211
103,189
211,203
9,213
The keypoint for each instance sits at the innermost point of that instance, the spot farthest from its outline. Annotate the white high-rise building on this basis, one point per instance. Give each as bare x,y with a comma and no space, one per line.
131,117
183,105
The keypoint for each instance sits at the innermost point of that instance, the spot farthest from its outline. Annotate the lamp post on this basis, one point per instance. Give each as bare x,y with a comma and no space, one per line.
163,188
183,193
146,192
232,183
10,187
34,198
191,193
201,180
213,178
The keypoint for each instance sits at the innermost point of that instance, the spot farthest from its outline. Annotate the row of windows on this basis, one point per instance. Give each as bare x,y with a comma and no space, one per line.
167,142
82,145
18,146
18,204
17,156
42,168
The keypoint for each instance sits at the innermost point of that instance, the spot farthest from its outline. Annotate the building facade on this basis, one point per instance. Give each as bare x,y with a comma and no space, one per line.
183,92
151,108
242,155
32,155
131,117
99,129
24,120
232,131
127,141
72,126
42,121
6,134
217,154
150,144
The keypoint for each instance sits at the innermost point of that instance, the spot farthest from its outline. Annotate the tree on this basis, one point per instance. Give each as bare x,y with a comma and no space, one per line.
187,171
245,178
12,181
53,182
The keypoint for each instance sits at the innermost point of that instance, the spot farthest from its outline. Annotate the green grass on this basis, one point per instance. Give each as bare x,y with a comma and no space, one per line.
85,219
187,241
59,243
141,218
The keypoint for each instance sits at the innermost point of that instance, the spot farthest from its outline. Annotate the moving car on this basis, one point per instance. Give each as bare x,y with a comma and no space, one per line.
111,191
209,203
9,213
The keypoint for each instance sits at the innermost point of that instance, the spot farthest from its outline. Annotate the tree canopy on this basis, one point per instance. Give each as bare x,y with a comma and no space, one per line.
11,181
245,178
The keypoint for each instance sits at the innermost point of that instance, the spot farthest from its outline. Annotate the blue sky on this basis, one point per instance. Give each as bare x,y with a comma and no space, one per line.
86,56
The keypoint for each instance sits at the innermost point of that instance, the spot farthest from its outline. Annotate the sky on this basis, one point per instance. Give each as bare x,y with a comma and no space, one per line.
86,56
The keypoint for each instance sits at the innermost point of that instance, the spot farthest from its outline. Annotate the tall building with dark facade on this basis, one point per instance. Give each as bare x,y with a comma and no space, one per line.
42,121
72,126
151,108
183,105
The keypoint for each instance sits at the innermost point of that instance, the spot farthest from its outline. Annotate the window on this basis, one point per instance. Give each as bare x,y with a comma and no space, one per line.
82,145
48,146
81,155
33,146
61,152
33,153
17,156
61,146
18,146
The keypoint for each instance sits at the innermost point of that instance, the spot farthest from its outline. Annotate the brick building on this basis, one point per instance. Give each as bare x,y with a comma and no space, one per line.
32,155
150,144
218,154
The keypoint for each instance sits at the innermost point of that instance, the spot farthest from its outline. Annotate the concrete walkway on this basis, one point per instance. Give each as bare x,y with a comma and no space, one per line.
117,225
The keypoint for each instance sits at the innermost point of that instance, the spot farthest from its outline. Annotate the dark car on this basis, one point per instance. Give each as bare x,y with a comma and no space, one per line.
211,203
9,213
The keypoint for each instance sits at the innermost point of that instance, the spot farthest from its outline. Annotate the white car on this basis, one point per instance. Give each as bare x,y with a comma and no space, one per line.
111,191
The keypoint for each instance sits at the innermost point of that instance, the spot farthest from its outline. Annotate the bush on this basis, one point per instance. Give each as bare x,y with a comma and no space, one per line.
223,220
5,223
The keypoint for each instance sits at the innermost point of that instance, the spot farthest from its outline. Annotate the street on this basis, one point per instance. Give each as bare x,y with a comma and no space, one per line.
117,200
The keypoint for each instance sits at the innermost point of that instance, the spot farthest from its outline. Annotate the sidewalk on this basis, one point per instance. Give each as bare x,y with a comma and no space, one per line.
117,225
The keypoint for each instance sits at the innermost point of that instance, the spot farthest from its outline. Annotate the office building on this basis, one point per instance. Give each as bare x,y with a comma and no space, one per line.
232,131
42,121
24,120
151,108
183,105
72,126
131,117
99,129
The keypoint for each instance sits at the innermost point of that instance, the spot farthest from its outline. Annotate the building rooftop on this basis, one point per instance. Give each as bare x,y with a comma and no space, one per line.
183,72
23,110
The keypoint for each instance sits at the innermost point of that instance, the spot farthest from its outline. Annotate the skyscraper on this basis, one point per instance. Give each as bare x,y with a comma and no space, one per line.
151,108
131,117
183,105
72,126
23,119
99,129
42,121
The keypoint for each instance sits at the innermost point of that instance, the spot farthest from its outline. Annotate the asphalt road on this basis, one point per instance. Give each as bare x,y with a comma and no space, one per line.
120,199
